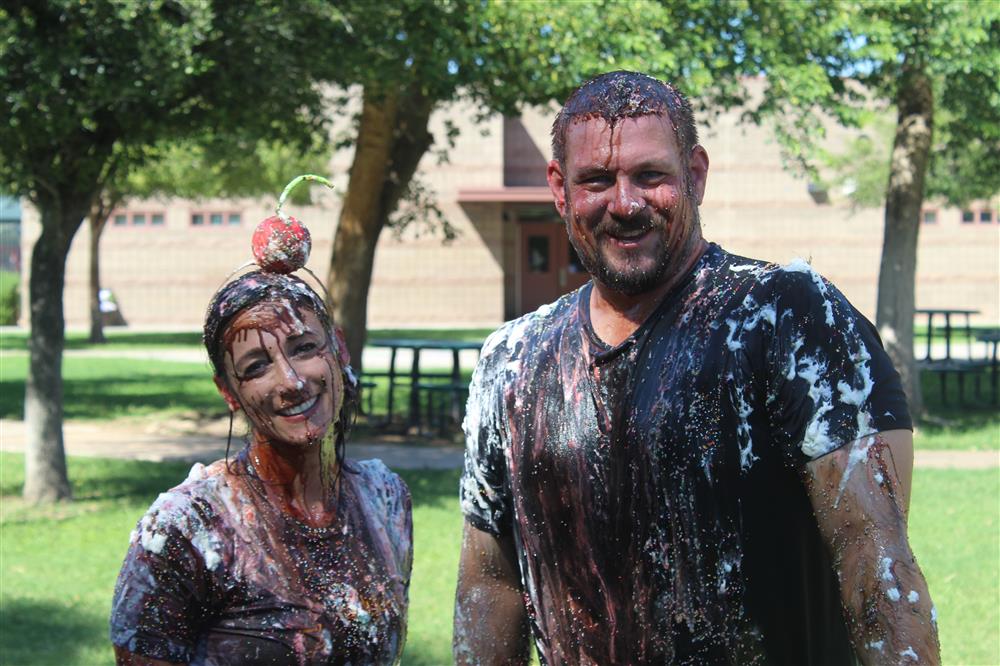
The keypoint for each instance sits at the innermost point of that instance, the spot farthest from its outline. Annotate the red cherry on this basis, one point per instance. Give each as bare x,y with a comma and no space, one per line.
280,246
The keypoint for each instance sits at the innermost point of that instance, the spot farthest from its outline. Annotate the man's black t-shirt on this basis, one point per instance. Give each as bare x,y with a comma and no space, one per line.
654,490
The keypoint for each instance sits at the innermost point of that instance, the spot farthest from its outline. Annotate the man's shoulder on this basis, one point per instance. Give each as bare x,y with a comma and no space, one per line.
796,278
513,334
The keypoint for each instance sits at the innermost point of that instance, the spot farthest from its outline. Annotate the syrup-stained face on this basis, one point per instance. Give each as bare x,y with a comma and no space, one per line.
281,370
629,199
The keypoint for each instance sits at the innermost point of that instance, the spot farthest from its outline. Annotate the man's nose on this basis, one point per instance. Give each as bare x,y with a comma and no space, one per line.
626,200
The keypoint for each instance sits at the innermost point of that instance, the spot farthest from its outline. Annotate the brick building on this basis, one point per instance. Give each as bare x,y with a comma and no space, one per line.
164,259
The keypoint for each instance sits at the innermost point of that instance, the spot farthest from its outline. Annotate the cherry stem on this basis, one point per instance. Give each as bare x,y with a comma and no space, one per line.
295,183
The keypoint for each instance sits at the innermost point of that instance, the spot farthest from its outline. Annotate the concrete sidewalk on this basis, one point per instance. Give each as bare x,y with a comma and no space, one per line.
190,442
161,442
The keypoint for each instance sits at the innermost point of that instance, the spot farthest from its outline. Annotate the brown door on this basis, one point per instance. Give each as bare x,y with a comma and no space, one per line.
549,265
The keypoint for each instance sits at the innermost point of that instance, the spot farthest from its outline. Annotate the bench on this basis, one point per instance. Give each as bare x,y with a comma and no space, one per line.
960,368
445,403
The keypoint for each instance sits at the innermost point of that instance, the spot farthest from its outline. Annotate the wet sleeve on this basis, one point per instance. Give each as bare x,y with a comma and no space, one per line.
161,593
830,381
399,523
483,495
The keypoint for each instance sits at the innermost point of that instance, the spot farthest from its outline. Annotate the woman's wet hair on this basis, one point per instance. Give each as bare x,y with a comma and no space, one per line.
615,96
256,287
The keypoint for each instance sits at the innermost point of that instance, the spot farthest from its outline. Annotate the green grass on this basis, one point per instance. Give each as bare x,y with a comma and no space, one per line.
464,334
117,339
958,334
58,564
955,534
972,425
101,388
107,388
10,297
127,339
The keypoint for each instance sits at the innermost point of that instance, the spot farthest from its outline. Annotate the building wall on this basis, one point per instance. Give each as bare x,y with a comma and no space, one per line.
164,276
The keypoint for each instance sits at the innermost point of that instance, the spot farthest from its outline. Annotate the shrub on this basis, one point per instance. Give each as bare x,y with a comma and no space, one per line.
10,297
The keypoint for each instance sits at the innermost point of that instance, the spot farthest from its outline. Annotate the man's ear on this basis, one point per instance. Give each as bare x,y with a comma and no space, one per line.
557,183
698,172
227,395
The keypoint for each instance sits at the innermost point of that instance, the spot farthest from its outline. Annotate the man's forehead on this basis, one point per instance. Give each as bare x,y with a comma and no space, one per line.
588,135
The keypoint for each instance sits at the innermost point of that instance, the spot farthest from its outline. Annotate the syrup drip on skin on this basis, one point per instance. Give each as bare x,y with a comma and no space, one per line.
302,478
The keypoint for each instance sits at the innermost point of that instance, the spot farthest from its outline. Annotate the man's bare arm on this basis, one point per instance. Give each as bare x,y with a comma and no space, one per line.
860,494
491,624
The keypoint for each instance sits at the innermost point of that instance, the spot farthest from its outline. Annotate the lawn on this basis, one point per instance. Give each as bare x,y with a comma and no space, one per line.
124,338
100,388
58,564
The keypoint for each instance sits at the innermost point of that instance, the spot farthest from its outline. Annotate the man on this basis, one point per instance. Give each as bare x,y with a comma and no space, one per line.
696,458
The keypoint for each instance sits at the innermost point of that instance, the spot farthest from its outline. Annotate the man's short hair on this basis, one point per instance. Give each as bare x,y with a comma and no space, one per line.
622,94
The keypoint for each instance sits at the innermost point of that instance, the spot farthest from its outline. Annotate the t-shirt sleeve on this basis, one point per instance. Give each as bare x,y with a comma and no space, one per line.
395,512
162,591
830,381
483,489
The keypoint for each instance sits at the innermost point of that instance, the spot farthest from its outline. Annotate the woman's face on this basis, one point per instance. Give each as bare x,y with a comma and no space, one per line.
281,370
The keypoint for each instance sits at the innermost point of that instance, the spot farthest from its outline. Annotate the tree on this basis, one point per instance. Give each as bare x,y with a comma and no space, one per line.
214,165
88,87
406,59
935,62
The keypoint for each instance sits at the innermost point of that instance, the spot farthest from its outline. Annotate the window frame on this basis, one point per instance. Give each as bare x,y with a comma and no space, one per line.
130,215
207,213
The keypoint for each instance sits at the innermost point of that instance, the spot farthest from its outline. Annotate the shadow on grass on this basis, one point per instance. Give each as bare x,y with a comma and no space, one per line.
102,478
142,481
38,632
966,411
115,338
110,396
18,340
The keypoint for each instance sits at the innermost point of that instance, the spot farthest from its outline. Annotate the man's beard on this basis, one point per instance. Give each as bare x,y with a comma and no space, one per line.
632,279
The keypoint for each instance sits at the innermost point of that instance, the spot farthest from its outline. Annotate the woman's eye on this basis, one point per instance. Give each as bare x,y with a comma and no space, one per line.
255,369
304,348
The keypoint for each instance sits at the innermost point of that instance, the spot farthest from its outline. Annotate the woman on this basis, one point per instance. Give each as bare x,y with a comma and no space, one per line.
286,554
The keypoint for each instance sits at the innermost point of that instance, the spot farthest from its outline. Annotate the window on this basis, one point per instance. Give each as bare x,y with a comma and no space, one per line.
138,219
930,217
986,217
215,218
968,217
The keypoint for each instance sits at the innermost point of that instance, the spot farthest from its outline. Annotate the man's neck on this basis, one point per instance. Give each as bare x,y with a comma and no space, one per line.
615,315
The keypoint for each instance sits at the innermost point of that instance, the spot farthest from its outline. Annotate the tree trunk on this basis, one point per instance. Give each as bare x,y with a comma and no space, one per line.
904,199
45,478
392,138
98,220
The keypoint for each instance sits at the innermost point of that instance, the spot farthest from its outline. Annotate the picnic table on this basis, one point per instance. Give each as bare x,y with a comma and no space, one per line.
947,314
992,338
947,365
454,387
